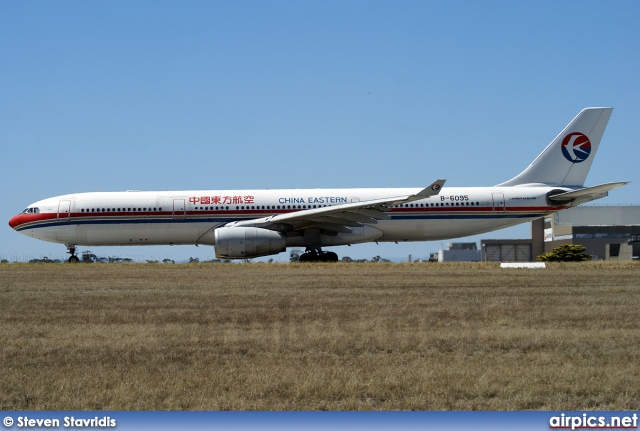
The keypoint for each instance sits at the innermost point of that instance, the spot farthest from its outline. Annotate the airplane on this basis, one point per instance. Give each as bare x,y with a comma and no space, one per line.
245,224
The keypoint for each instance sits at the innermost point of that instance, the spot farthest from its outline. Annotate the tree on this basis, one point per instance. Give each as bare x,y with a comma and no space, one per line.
566,253
89,257
294,255
378,259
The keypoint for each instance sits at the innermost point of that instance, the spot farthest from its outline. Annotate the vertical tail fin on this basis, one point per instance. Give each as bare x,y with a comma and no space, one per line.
567,159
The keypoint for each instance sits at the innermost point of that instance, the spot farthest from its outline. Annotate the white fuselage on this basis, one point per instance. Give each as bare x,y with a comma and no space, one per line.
190,217
251,223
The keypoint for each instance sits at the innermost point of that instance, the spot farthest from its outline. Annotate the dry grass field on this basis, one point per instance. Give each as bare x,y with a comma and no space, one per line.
319,337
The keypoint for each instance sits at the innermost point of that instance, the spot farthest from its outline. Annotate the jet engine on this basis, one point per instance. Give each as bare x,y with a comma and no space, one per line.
247,242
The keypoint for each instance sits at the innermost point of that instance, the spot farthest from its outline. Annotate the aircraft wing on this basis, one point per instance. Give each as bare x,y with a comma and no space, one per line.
339,218
577,197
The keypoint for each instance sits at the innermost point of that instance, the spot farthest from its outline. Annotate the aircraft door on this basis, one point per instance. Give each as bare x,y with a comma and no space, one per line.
179,209
498,202
64,210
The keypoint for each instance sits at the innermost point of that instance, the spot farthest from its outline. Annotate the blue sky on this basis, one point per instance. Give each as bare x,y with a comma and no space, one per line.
159,95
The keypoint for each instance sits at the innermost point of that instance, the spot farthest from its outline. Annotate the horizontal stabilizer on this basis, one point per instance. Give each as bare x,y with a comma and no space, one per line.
577,197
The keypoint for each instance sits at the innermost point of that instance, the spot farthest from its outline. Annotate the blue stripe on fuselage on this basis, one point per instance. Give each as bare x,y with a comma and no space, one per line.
188,219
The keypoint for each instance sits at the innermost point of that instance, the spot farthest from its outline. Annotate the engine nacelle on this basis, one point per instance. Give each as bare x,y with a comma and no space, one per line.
248,242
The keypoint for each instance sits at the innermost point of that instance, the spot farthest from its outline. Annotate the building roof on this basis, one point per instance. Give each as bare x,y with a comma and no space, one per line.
599,216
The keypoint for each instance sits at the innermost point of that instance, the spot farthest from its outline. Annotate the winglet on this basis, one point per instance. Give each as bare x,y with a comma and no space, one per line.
432,190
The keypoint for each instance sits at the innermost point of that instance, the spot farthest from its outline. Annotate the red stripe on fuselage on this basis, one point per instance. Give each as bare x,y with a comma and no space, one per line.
22,219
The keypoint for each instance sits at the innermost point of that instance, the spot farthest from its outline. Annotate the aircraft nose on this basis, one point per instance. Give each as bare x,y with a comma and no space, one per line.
16,221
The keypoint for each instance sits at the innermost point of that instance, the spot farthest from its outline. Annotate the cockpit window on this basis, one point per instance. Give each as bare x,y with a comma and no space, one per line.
31,211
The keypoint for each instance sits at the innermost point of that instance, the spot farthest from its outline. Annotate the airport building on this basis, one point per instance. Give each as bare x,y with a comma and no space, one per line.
607,233
507,250
459,252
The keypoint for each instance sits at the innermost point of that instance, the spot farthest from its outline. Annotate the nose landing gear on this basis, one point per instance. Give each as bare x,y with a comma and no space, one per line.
71,249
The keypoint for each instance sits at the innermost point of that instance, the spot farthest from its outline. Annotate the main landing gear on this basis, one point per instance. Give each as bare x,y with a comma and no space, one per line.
317,255
71,249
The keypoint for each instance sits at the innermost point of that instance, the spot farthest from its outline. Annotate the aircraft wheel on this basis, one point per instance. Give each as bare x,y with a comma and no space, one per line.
74,259
308,257
329,257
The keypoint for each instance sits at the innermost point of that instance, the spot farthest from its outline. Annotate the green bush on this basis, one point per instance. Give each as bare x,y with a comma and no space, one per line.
566,253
